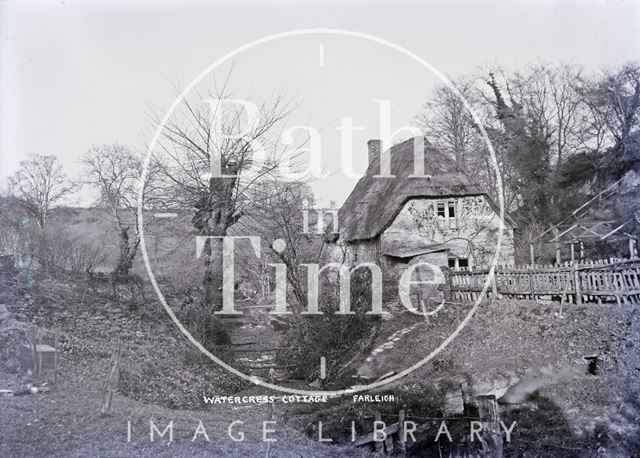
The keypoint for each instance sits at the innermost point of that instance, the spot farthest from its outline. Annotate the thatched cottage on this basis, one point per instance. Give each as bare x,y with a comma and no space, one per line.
441,217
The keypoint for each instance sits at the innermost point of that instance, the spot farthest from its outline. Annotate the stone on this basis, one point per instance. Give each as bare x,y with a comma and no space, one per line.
45,351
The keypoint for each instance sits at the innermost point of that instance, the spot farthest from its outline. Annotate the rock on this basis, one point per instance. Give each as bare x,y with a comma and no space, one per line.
45,352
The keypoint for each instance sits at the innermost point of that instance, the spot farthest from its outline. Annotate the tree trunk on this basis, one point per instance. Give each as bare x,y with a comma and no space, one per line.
126,253
212,279
215,214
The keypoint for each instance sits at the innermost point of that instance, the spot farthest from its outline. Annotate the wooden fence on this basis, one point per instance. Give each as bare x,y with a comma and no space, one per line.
612,280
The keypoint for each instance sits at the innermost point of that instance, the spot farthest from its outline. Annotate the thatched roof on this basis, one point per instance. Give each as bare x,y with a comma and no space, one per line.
376,201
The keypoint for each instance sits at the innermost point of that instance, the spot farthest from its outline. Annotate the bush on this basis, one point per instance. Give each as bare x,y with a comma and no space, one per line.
336,337
58,249
204,326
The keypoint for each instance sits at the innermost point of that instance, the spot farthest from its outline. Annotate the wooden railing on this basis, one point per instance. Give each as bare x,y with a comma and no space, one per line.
612,280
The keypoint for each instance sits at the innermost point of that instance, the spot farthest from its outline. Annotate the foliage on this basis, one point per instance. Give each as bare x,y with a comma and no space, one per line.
337,338
59,249
279,216
560,135
205,327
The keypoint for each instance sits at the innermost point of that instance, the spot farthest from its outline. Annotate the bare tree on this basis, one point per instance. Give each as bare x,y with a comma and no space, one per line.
614,102
38,185
203,135
448,125
116,171
280,217
451,128
551,102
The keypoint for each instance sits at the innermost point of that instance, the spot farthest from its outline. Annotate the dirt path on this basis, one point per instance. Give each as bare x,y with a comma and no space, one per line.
254,341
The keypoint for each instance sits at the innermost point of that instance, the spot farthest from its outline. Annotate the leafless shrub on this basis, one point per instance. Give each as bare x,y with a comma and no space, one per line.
336,337
60,250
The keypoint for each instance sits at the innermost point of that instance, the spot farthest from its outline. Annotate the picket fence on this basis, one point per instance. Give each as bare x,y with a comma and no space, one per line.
611,280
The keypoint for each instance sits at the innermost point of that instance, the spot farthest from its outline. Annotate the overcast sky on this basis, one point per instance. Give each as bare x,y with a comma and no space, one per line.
77,73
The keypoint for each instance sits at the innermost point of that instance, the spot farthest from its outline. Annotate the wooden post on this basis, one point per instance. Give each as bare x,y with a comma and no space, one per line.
632,248
388,444
618,283
402,446
573,252
55,358
490,418
531,284
581,251
494,286
32,336
556,232
272,379
39,341
111,383
576,284
378,445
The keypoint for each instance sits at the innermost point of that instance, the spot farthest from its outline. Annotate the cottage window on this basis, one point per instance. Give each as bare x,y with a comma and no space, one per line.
452,209
446,211
452,214
457,263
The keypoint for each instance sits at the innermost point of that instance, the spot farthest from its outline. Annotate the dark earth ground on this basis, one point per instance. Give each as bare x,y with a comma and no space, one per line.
570,412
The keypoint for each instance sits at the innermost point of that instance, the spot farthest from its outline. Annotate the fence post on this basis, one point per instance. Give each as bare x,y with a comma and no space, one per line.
272,379
576,284
494,286
632,248
55,357
32,337
111,383
378,445
402,446
531,284
490,418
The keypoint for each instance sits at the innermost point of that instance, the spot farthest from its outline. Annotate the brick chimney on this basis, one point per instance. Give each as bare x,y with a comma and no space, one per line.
374,149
